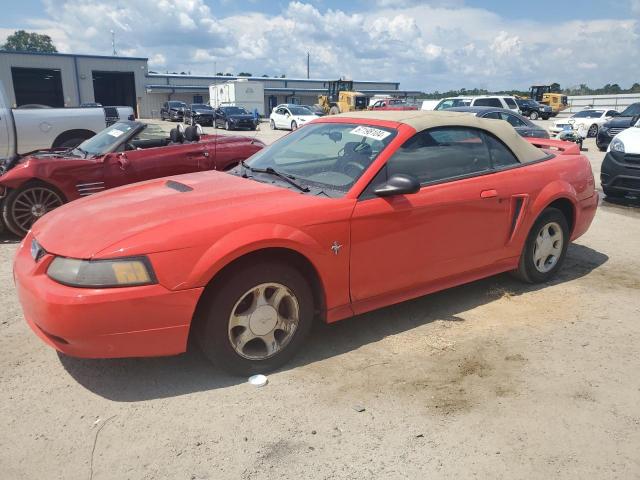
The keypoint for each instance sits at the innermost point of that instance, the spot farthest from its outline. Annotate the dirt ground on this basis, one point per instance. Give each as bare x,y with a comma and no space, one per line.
494,379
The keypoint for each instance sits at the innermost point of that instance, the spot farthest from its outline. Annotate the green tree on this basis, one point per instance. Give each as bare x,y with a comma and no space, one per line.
228,75
21,41
245,74
635,88
555,87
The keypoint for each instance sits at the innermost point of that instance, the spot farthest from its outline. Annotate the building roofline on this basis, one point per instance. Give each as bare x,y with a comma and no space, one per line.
235,77
77,55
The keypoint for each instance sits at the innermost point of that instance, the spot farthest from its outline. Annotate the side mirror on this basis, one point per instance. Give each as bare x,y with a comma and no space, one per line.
398,184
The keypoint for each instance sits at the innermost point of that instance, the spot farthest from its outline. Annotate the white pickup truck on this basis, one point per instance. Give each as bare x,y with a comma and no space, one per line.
26,130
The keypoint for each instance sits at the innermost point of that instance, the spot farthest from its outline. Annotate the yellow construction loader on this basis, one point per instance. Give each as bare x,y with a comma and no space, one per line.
542,94
341,98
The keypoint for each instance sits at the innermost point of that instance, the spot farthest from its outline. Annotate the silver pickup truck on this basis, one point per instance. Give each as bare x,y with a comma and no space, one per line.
29,129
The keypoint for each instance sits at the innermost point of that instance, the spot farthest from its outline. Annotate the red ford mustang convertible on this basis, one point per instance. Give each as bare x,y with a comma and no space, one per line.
345,215
123,153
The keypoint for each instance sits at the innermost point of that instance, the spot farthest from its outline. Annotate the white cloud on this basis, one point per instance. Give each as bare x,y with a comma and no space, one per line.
423,45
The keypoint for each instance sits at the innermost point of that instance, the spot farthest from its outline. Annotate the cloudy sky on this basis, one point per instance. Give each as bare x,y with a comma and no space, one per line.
425,45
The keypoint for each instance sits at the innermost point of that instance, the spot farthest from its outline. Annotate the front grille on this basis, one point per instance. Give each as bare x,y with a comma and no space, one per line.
630,183
632,158
85,189
614,131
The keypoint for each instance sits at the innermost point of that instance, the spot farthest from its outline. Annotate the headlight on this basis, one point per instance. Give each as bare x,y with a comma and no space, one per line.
120,272
617,145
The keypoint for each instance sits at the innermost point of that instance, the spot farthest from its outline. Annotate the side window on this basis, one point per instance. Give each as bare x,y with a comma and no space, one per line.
444,104
513,120
501,156
611,113
487,102
441,154
492,115
511,102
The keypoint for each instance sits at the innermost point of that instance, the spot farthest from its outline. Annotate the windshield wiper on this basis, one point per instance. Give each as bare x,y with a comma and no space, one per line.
287,178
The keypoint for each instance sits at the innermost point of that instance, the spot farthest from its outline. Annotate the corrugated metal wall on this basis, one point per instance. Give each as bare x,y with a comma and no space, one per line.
616,102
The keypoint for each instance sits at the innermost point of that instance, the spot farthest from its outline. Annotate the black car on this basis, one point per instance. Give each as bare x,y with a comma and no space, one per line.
199,113
522,125
534,110
629,116
173,111
232,118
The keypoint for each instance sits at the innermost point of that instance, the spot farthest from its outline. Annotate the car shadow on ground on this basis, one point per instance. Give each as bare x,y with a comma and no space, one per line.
129,380
8,237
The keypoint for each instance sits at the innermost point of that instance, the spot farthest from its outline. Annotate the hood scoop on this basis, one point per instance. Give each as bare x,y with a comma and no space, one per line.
178,187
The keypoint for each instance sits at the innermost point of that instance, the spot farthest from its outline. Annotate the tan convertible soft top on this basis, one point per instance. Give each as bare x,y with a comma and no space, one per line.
423,119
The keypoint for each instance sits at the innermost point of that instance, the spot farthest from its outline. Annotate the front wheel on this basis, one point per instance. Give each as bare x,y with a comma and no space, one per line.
294,126
545,248
256,318
272,124
533,115
24,205
593,131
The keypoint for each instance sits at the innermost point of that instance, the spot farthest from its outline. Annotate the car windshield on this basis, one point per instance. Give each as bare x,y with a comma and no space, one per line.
105,141
589,114
631,110
328,156
234,111
177,104
201,106
300,111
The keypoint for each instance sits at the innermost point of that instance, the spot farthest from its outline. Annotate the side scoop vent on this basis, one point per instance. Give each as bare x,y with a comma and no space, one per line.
177,186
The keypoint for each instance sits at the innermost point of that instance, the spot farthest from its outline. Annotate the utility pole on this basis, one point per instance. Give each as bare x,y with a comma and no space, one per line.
113,43
308,56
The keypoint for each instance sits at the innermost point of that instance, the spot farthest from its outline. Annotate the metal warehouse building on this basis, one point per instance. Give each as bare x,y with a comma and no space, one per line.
68,80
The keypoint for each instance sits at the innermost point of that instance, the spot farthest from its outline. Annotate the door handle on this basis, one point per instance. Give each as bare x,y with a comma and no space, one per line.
488,193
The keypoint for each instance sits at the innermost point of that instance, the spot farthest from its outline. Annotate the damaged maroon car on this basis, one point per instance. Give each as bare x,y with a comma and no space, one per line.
123,153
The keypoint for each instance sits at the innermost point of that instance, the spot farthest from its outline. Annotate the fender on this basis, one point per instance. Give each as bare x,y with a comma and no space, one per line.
556,190
249,239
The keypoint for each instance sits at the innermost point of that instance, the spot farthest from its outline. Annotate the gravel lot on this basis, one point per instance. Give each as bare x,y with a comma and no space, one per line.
494,379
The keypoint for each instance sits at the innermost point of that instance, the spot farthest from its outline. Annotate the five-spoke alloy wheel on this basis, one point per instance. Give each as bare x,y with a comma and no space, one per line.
545,248
255,316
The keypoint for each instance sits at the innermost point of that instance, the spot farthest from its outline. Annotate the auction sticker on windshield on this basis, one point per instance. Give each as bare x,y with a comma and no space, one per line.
115,133
370,132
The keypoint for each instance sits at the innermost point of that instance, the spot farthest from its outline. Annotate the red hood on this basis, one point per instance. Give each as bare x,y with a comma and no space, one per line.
152,216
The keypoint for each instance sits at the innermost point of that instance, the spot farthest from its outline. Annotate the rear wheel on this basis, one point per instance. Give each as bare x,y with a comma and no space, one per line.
593,131
272,124
256,318
545,248
24,205
533,115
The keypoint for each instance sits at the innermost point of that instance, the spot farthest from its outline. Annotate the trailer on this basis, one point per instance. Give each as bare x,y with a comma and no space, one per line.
238,93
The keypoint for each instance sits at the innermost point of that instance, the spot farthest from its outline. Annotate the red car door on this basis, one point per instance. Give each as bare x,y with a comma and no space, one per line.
145,164
458,222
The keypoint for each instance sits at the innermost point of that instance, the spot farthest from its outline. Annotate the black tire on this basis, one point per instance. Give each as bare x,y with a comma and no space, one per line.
545,117
15,206
272,124
213,335
601,148
527,270
294,126
593,131
533,115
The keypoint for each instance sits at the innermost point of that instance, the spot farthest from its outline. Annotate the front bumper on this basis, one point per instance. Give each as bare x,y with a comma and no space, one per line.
102,323
621,172
603,139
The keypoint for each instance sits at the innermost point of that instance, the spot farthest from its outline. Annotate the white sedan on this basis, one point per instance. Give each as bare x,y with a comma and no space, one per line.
590,119
290,117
